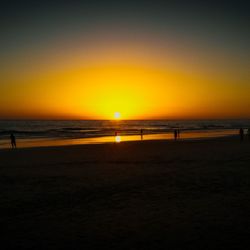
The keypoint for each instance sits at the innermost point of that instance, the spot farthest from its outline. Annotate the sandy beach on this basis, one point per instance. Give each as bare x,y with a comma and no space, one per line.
130,195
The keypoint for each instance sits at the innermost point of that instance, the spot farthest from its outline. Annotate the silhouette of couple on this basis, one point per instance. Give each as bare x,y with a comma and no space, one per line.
176,134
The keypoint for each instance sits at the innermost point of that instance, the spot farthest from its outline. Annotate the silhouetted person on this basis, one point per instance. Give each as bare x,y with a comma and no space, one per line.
116,133
178,133
175,134
248,134
241,134
141,134
13,140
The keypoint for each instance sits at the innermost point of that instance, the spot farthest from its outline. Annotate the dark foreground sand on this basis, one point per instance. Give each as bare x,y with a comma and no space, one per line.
135,195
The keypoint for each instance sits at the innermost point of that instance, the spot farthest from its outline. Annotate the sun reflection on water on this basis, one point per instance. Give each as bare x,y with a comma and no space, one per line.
118,138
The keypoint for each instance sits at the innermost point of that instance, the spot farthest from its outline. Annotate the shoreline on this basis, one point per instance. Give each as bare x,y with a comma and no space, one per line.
145,143
120,138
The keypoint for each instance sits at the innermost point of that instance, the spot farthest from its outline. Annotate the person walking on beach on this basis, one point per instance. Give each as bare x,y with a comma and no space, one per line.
141,134
175,134
241,134
13,140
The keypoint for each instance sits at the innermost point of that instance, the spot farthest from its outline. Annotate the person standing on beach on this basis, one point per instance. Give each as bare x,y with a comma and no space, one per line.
241,134
178,133
13,140
175,134
141,134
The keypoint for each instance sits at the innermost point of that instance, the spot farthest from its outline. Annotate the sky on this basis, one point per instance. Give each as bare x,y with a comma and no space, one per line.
141,59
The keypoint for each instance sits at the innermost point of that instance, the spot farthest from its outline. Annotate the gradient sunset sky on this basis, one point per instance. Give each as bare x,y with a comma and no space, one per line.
144,59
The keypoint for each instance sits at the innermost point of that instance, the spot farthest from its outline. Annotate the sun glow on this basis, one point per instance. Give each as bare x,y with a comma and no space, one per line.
115,91
117,115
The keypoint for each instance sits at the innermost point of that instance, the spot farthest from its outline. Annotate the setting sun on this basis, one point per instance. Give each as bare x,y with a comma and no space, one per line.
117,115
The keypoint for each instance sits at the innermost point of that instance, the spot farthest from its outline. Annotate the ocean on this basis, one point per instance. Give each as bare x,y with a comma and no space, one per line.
34,132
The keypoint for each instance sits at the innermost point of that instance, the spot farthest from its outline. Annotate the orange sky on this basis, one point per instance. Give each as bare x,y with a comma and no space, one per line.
151,77
154,85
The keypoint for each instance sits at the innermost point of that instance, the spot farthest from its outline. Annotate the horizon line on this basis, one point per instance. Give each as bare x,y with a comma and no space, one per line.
160,119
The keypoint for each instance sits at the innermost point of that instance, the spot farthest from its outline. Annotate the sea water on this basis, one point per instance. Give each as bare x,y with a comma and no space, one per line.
43,133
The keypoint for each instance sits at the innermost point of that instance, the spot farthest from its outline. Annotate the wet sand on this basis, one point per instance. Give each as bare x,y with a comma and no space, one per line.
121,137
131,195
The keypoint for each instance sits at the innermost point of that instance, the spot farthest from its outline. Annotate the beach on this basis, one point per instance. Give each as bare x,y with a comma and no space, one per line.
131,195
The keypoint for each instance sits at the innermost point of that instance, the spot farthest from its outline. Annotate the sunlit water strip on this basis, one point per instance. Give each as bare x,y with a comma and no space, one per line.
185,135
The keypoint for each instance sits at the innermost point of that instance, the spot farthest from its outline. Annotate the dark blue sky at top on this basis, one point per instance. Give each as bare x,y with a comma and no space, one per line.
28,23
